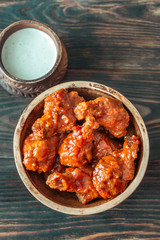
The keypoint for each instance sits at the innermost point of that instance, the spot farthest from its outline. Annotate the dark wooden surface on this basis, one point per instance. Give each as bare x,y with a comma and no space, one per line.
116,43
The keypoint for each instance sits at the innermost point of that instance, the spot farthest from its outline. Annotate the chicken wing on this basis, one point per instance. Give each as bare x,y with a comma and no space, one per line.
108,112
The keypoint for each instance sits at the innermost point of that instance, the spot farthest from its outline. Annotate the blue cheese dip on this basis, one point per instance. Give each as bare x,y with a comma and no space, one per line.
29,54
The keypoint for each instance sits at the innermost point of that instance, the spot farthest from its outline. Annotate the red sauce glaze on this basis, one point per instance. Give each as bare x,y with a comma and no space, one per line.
113,172
103,145
127,155
76,148
57,167
39,155
107,177
60,107
74,180
58,115
108,112
82,158
44,127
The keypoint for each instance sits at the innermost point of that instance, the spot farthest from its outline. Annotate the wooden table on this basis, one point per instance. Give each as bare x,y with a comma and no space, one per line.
116,43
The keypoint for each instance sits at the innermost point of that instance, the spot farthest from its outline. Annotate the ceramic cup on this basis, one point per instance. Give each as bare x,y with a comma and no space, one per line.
32,58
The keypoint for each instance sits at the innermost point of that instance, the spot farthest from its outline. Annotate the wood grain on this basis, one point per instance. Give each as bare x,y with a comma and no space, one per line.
114,34
136,218
114,43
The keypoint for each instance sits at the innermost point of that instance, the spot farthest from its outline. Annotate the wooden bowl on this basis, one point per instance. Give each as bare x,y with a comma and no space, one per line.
63,201
30,88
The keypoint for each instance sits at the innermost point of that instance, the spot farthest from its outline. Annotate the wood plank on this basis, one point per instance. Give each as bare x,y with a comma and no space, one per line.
23,217
113,42
98,35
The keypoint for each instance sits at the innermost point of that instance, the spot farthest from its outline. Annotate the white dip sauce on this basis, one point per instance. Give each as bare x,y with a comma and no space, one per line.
29,54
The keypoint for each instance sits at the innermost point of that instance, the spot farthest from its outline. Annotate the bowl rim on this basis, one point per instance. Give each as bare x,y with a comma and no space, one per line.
104,206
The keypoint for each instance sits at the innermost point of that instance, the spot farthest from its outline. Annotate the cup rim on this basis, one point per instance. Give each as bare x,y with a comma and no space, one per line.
36,25
104,206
